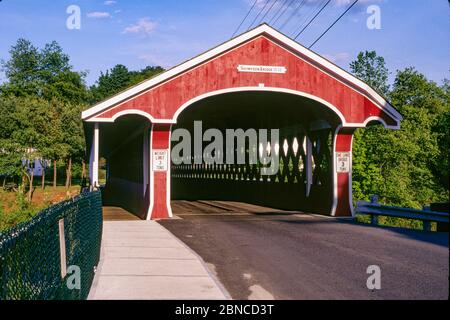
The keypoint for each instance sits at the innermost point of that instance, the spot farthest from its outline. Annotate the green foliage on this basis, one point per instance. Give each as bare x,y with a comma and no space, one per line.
372,69
118,79
407,167
40,105
22,69
23,213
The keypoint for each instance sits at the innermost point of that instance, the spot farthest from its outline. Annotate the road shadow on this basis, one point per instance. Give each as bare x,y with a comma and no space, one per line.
437,238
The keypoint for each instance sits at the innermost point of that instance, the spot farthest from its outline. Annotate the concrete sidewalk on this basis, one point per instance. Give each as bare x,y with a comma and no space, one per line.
143,260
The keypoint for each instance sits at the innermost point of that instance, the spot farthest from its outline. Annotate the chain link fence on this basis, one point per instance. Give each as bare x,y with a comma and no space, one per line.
32,253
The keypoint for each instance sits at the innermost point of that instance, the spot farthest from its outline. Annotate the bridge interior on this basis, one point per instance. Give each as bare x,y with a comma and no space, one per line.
298,119
122,148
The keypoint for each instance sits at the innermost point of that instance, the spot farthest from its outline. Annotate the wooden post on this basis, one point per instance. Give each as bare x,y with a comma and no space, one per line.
30,192
159,207
308,165
43,178
93,161
69,174
342,167
54,173
62,248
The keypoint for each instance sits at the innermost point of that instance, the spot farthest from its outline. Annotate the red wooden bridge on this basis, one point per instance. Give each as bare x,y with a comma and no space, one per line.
260,79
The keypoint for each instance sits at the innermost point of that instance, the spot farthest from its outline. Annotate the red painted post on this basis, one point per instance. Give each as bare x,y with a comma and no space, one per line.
160,172
343,172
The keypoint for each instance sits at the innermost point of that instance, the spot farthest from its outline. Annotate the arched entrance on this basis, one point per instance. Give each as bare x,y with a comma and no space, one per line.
303,179
125,150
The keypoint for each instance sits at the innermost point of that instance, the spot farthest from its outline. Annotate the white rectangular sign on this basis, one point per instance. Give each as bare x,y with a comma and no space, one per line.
263,69
160,160
343,162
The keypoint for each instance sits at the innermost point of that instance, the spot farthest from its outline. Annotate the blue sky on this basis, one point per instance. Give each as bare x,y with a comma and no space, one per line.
138,33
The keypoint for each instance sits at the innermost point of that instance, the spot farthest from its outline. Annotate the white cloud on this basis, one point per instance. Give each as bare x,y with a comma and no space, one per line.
109,2
144,27
340,57
98,14
154,60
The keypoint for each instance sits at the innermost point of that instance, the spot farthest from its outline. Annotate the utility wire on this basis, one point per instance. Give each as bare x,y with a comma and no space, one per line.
282,13
306,17
273,3
301,3
246,16
310,21
335,21
257,16
278,11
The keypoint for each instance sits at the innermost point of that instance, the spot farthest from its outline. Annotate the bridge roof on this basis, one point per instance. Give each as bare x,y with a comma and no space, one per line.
309,56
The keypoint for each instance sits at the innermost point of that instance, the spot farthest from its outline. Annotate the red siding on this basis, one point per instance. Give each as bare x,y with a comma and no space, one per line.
162,101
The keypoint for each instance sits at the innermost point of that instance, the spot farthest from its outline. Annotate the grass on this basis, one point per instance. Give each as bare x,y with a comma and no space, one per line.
15,209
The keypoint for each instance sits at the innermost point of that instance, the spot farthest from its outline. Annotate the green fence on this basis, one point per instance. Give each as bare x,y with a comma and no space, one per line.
30,253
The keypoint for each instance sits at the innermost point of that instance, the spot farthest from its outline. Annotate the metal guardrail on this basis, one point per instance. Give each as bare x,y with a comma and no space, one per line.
374,210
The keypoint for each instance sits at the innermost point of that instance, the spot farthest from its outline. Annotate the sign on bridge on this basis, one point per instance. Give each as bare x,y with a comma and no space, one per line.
263,69
160,160
343,162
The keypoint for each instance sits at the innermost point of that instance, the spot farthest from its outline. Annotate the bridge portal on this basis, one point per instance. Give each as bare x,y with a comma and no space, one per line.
259,80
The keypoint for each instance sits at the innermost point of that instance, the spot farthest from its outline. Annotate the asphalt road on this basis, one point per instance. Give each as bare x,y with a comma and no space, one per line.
260,253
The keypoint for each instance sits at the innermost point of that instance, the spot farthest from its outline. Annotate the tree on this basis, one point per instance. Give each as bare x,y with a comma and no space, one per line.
144,74
406,167
367,172
22,69
111,82
72,137
372,69
41,76
118,79
425,107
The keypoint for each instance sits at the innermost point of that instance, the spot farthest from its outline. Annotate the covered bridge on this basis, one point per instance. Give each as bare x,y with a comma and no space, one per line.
259,79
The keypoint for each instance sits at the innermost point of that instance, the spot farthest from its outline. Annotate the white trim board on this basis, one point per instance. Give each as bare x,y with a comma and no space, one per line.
245,89
322,63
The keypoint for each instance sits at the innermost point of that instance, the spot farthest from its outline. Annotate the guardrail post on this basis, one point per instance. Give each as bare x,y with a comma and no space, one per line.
374,219
374,198
426,225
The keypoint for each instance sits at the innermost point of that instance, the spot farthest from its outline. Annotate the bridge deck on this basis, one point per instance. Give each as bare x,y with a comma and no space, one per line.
117,214
212,207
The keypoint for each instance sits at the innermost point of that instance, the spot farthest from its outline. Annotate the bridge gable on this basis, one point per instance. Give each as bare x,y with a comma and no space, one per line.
225,69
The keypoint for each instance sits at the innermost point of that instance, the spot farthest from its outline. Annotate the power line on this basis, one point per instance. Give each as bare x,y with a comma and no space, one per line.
278,11
306,17
282,13
335,21
310,21
248,13
257,16
273,3
301,3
